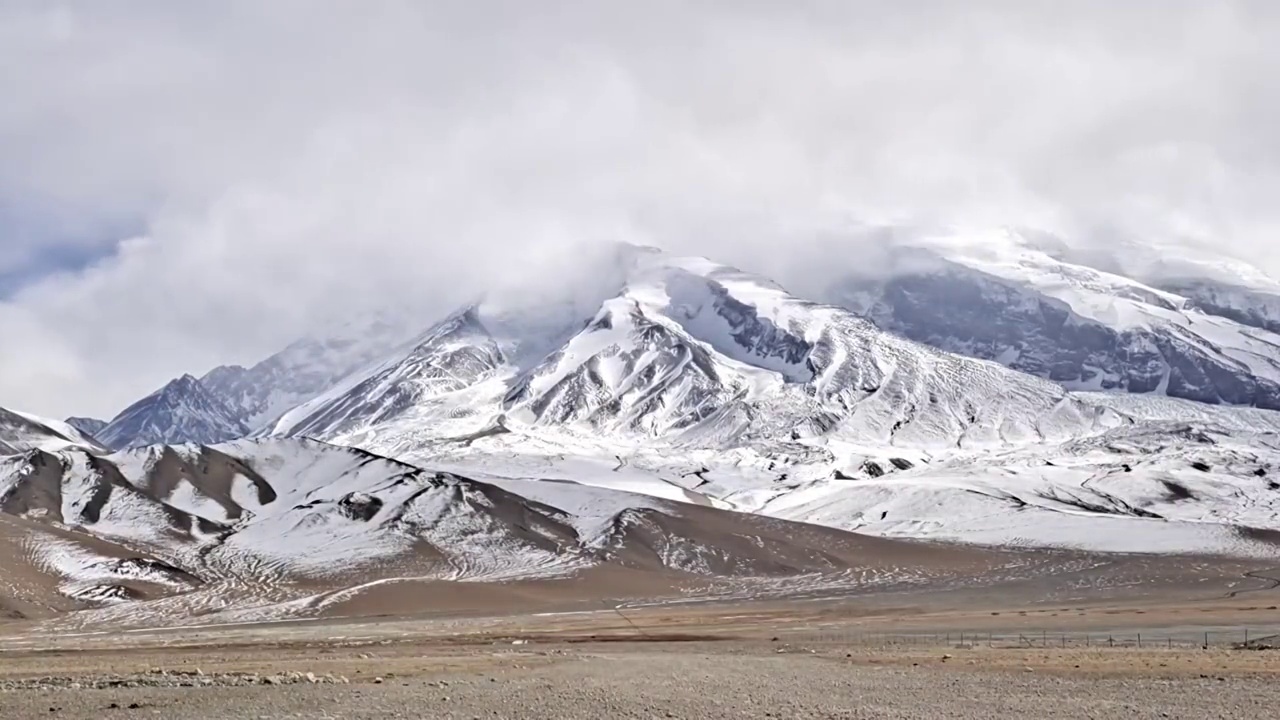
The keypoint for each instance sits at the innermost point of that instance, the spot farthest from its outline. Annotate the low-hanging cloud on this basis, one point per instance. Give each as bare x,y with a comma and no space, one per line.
287,162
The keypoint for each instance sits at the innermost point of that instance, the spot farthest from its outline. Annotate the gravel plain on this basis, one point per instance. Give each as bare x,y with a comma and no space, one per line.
655,679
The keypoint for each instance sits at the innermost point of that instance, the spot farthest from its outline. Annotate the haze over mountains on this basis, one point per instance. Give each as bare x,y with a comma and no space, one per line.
673,419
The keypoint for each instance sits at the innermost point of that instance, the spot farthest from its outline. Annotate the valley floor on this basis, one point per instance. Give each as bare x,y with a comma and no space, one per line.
896,656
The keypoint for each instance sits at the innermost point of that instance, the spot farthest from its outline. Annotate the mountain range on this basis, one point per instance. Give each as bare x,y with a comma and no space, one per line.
1006,298
1000,390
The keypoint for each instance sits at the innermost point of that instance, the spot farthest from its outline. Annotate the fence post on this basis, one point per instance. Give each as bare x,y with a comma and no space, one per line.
1206,641
1139,641
1246,637
1111,641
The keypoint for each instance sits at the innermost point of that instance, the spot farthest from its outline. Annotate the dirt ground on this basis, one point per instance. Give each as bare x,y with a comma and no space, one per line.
766,660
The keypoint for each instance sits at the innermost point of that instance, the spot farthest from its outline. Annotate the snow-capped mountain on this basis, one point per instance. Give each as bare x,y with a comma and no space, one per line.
184,411
691,353
1003,298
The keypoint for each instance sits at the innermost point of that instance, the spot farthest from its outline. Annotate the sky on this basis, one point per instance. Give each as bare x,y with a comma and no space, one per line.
189,184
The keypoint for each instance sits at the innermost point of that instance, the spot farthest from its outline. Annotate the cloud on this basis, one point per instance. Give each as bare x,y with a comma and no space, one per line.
278,164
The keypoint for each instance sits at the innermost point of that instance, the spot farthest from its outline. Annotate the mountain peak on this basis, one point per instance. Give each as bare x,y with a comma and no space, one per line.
183,411
187,382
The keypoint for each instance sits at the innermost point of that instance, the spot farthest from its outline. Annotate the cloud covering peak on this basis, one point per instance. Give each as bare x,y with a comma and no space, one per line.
239,172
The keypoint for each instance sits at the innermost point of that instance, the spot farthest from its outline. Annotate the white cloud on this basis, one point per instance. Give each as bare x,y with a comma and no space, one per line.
290,160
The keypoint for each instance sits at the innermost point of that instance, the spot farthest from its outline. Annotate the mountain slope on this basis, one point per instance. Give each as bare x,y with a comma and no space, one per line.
1001,297
20,433
1172,476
